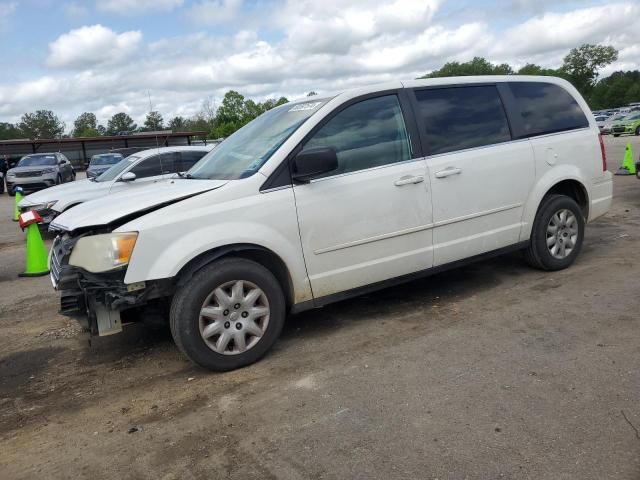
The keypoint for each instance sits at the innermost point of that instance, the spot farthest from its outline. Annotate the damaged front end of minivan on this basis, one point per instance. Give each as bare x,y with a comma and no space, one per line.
99,300
90,256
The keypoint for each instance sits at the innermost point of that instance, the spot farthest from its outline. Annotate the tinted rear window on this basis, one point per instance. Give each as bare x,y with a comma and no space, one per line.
546,108
462,117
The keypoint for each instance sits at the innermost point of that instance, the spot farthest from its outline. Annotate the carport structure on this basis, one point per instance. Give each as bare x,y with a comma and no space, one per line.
80,149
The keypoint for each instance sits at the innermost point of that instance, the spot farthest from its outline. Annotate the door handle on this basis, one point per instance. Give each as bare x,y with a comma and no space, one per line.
447,172
408,180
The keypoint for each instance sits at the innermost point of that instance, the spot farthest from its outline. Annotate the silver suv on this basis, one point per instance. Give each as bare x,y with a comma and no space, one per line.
39,170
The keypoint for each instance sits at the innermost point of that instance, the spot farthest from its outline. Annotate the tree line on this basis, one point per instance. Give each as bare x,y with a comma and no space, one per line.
580,67
234,112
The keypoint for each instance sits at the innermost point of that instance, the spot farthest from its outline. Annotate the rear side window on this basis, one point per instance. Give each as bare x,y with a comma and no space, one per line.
546,108
149,167
457,118
189,159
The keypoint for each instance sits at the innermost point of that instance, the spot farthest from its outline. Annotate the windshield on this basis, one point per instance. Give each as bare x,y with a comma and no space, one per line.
37,161
106,159
117,169
634,116
244,152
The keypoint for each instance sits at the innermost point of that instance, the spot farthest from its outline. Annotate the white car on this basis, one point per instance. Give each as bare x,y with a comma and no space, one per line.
600,121
134,172
322,199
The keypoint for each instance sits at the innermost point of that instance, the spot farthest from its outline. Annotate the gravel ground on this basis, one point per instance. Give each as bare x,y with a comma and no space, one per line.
490,371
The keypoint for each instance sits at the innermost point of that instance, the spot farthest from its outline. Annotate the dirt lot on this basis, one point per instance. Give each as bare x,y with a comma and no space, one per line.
489,371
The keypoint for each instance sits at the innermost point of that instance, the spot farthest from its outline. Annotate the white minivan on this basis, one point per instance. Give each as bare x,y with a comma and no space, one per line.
322,199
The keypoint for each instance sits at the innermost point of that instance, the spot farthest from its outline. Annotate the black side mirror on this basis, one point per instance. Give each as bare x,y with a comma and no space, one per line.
312,163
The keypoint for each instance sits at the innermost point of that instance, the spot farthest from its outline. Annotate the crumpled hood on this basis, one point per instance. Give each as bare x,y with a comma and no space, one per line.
73,192
104,211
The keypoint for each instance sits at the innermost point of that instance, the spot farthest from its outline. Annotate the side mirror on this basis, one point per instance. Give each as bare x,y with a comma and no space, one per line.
311,163
128,177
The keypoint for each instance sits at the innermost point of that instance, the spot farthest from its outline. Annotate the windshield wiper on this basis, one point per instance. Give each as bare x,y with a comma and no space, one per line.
184,175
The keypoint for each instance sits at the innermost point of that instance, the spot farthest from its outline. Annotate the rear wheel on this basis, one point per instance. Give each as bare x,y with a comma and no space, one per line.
228,315
557,234
1,186
58,179
638,131
616,134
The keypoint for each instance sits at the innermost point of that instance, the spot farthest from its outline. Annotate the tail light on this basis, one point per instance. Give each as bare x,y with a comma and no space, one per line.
603,152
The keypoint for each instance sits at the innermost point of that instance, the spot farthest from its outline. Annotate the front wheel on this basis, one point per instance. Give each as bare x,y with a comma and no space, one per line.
637,131
557,234
228,315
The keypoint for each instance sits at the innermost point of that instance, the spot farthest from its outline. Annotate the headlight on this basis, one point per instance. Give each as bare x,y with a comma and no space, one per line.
49,170
100,253
10,174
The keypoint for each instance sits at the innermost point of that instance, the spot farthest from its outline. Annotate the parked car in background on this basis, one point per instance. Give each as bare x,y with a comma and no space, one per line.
630,124
330,197
101,163
608,123
134,172
600,120
39,170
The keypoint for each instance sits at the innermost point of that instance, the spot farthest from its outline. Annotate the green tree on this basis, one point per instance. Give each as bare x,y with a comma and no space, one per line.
582,64
477,66
153,122
236,111
178,124
86,125
533,69
616,90
8,131
41,124
120,122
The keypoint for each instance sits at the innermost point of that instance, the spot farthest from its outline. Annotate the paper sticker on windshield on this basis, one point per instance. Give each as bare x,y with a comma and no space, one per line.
305,106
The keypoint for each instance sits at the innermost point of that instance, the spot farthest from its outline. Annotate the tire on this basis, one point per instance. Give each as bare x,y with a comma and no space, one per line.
191,298
59,179
1,186
11,192
616,134
73,176
637,131
539,252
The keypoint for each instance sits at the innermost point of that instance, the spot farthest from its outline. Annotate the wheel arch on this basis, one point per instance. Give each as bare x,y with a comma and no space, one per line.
261,255
561,181
574,189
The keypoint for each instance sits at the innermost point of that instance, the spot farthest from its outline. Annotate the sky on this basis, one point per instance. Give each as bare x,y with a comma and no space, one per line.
109,56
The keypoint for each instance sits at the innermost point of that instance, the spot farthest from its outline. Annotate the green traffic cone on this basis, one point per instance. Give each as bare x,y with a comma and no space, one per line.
628,166
16,210
37,259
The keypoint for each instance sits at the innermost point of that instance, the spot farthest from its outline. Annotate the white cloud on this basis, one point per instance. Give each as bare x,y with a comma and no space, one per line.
561,31
323,46
214,12
136,7
92,45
